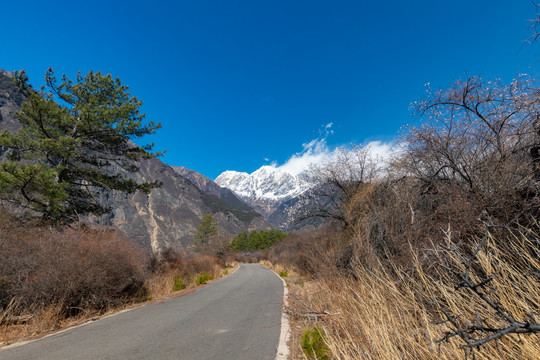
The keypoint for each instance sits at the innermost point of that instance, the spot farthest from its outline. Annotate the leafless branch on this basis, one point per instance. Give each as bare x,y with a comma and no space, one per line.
484,328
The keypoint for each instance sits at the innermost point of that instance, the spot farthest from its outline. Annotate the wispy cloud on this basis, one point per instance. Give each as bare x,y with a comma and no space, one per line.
314,152
317,152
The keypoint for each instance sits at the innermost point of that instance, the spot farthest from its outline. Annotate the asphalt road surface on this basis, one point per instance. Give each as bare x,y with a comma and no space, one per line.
238,317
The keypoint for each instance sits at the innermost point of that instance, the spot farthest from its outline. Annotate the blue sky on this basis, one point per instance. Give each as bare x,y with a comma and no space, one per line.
239,84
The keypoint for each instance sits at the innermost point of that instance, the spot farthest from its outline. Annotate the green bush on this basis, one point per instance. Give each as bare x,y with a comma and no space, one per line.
202,279
225,272
313,344
283,273
178,283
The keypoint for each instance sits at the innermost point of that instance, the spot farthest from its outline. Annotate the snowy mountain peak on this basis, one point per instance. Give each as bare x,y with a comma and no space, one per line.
265,188
231,177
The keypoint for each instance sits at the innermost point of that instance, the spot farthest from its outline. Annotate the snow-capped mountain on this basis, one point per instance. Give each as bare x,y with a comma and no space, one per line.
266,188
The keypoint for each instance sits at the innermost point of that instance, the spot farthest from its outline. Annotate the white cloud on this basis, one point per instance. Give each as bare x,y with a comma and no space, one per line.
317,152
382,151
314,152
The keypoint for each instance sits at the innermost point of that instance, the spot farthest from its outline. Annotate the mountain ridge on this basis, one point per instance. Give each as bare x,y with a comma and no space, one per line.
266,188
224,199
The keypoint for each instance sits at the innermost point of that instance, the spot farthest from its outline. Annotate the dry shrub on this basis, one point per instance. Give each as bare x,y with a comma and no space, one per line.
390,214
392,315
247,257
230,261
311,252
50,278
202,264
79,269
472,157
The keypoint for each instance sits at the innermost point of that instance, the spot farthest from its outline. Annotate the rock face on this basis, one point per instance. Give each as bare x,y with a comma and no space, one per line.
10,102
203,183
166,218
169,216
308,210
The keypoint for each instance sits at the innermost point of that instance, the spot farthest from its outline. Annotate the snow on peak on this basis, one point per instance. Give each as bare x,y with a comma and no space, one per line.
230,177
266,183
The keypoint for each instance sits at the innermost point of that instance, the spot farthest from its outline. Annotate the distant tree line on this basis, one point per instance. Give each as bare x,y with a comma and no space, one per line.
256,240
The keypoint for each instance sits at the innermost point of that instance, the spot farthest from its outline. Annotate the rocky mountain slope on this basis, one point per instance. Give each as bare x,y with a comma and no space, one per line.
221,199
310,210
170,215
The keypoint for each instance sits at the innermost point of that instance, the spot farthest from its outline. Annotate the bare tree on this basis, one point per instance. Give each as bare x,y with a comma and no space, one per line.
482,137
534,24
339,180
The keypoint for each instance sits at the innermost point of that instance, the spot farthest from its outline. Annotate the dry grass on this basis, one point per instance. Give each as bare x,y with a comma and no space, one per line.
390,316
39,321
161,282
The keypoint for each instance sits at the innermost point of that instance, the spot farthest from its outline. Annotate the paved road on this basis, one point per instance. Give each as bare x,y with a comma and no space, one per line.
235,318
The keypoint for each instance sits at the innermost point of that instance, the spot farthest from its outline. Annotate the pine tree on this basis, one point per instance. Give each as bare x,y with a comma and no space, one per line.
75,141
206,230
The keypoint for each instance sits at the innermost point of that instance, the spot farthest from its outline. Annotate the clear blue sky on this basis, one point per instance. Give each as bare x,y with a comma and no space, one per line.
235,82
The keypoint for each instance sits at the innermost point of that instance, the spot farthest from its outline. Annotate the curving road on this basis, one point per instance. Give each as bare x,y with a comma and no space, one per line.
238,317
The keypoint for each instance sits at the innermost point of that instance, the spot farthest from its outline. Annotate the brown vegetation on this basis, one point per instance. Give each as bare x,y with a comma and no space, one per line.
49,275
182,265
437,255
80,269
419,312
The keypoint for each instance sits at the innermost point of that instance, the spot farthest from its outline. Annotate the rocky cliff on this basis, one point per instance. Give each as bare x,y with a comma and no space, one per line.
10,102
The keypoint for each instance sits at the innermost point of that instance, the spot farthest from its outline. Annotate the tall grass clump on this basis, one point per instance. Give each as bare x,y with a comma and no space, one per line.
404,314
